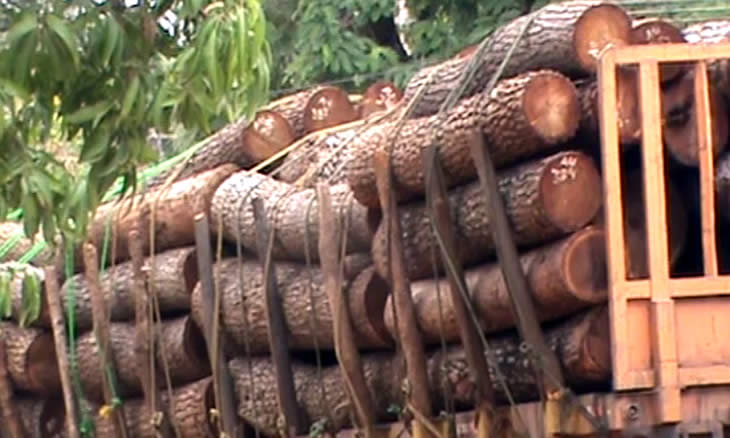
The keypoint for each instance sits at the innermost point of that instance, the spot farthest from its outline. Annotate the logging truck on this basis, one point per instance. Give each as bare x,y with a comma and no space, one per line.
557,265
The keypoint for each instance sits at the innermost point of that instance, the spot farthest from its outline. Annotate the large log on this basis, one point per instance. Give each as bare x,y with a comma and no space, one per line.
292,213
181,347
380,96
306,306
320,156
31,359
521,117
566,37
190,410
564,277
243,143
545,199
627,97
581,344
174,276
292,108
681,137
173,215
327,107
42,418
658,31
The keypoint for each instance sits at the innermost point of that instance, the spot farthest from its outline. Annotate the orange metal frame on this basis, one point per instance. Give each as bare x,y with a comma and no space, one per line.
668,334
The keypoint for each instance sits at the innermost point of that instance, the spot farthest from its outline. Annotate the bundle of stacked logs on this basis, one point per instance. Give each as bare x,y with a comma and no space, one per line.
139,343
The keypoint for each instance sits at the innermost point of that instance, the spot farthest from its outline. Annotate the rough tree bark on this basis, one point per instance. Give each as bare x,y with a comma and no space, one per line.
565,277
31,359
180,340
292,213
8,410
321,156
42,418
174,212
192,405
581,343
242,287
521,117
566,36
173,279
545,199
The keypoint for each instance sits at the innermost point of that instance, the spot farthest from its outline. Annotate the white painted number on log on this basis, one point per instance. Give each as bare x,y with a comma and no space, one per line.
322,108
566,170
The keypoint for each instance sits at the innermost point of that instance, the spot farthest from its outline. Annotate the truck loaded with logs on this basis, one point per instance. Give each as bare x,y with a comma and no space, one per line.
310,270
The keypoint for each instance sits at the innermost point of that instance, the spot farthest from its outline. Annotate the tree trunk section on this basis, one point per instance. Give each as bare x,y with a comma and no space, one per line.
308,321
681,137
223,147
629,116
42,418
183,345
581,344
174,276
269,133
566,37
174,224
31,359
380,96
8,409
192,404
564,277
545,199
658,31
291,212
321,157
521,117
327,107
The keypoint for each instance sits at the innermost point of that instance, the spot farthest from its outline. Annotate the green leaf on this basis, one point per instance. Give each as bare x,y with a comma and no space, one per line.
113,34
31,215
211,62
129,97
61,29
31,299
89,112
6,299
14,89
95,146
20,29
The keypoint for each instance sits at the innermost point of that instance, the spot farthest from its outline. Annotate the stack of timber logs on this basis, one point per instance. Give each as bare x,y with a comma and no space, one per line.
540,123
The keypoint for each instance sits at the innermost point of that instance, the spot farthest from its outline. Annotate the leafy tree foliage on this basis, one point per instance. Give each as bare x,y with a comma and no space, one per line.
105,72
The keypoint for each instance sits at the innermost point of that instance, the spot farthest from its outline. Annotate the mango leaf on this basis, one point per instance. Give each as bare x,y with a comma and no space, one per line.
22,27
31,299
129,97
6,299
89,112
61,29
111,39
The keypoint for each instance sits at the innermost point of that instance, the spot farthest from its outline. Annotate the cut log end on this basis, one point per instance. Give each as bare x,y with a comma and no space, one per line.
552,107
629,117
591,359
585,265
658,31
380,96
328,107
368,294
600,27
574,178
269,133
681,138
41,364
